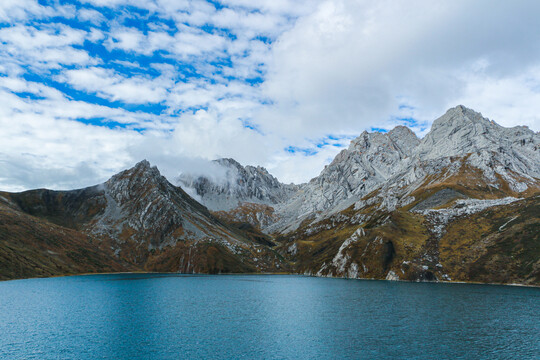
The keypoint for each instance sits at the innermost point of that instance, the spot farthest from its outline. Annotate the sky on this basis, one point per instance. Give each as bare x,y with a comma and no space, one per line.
89,88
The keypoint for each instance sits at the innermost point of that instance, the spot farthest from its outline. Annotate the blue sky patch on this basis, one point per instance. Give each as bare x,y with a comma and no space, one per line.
299,150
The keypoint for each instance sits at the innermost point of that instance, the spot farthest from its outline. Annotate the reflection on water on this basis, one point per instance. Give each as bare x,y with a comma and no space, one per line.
134,316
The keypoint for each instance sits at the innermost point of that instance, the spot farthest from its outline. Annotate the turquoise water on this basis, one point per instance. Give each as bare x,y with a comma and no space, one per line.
141,316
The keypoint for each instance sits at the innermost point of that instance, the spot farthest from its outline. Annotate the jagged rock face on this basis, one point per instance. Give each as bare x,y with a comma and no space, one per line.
461,204
396,164
461,131
370,160
469,152
143,206
239,184
391,167
512,153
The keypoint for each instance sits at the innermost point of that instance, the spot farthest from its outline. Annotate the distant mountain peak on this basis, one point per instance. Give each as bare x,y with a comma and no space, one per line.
461,109
231,163
143,169
398,162
143,164
237,185
228,162
459,116
399,129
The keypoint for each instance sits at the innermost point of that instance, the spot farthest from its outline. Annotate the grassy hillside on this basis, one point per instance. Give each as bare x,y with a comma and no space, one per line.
33,247
498,245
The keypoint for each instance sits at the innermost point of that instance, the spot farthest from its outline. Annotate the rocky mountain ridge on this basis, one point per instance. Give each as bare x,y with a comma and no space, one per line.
395,164
391,197
451,198
461,204
398,163
143,220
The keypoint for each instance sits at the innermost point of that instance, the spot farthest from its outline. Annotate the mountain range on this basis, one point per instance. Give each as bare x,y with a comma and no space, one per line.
460,204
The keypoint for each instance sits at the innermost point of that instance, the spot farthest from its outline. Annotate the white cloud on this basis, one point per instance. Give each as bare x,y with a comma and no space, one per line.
116,3
349,65
12,11
299,168
206,135
127,39
249,24
95,35
111,85
43,49
283,7
325,67
91,15
51,103
58,153
27,38
509,100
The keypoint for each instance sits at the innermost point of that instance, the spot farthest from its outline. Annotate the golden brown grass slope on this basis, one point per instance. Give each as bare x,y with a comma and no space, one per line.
33,247
498,245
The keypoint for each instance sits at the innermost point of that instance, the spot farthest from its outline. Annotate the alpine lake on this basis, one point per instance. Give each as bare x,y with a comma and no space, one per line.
173,316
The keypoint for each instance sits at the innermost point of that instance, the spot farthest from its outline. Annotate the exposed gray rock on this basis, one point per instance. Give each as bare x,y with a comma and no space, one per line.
239,184
370,160
142,206
440,198
438,219
383,169
394,164
512,153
